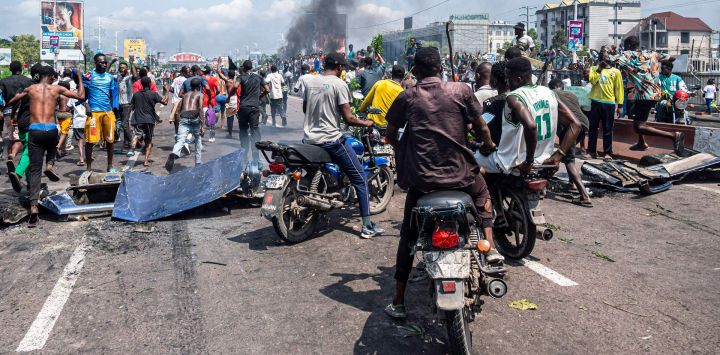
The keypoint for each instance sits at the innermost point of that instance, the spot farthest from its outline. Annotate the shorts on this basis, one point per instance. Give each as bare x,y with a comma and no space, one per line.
100,125
65,124
144,132
78,134
641,110
221,103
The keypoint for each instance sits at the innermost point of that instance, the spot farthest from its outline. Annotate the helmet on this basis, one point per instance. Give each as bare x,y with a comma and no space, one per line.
681,95
356,145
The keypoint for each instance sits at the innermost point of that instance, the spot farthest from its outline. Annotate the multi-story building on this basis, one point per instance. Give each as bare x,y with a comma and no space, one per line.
674,34
500,32
605,22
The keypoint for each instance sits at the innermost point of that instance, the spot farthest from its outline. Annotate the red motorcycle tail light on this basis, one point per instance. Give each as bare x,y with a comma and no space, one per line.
448,286
276,168
445,238
537,185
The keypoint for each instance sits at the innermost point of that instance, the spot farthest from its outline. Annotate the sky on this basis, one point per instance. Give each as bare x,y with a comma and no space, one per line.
233,27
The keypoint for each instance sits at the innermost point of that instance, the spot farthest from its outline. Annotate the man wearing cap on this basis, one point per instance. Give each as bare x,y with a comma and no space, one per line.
325,103
383,94
524,41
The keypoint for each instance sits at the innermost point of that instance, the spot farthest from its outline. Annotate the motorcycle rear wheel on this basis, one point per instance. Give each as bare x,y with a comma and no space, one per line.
290,228
518,239
459,334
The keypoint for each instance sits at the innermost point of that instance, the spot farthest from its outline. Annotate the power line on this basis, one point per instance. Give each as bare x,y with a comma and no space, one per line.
684,4
400,19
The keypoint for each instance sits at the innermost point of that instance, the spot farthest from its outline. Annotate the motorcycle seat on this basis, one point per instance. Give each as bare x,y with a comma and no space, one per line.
311,153
445,199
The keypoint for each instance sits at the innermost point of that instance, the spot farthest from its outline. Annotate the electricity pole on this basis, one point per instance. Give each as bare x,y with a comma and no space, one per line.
527,15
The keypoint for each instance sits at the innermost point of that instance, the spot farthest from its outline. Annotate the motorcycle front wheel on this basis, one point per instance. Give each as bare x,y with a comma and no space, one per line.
516,239
293,223
459,334
380,189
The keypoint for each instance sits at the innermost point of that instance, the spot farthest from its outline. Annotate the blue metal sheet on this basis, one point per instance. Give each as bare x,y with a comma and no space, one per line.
62,204
145,197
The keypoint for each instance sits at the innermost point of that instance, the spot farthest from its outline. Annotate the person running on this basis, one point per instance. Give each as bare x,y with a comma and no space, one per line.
144,115
9,87
383,94
64,119
210,101
326,102
175,88
642,69
231,87
252,92
433,155
190,123
607,96
102,98
42,132
275,83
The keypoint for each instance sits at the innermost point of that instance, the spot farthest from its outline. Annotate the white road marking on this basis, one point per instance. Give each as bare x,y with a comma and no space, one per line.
702,188
547,273
40,329
131,162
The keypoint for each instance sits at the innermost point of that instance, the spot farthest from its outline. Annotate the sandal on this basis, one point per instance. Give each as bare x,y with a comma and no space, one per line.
10,165
581,202
80,163
638,148
33,220
15,182
51,175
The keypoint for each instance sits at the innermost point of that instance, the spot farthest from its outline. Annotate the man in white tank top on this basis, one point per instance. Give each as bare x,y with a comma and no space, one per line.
529,124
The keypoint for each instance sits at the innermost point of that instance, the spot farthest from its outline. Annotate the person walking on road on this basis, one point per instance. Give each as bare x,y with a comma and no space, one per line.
710,91
42,131
607,96
143,104
231,87
275,83
102,96
190,123
252,91
125,79
326,103
435,140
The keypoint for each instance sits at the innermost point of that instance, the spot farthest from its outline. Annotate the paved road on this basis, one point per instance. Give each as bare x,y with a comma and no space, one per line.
211,281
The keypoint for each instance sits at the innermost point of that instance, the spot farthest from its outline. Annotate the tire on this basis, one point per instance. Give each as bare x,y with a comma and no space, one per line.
284,223
459,334
518,240
380,189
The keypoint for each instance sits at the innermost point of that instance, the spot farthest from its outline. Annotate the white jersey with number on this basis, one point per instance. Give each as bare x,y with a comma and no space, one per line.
543,106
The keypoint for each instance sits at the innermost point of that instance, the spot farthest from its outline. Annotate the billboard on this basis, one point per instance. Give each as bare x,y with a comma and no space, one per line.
62,30
575,35
5,56
136,48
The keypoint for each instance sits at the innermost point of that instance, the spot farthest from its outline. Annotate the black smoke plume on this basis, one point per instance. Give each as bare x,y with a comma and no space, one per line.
319,26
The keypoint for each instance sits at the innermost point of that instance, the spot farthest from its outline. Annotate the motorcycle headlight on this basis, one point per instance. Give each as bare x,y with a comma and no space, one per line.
681,104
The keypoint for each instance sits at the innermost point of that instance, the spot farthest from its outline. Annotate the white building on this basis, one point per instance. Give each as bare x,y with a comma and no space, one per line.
605,22
674,34
499,33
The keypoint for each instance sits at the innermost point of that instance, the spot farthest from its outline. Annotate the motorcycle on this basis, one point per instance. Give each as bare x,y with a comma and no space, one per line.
454,249
303,183
671,109
520,220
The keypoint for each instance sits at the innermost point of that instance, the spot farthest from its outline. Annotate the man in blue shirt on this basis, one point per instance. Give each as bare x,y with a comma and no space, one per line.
102,97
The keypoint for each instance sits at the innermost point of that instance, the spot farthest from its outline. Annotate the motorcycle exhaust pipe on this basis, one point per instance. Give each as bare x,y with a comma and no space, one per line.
544,233
322,205
496,288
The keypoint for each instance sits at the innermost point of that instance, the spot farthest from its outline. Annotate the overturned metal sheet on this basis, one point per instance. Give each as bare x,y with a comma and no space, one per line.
681,167
64,205
145,197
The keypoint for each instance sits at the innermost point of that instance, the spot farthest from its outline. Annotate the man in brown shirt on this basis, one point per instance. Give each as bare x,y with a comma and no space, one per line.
433,154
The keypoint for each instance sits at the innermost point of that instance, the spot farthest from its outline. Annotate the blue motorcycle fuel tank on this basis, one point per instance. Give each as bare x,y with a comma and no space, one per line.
356,145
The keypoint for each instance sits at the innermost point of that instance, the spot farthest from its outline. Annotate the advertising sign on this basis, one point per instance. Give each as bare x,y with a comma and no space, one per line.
575,35
5,56
135,47
62,30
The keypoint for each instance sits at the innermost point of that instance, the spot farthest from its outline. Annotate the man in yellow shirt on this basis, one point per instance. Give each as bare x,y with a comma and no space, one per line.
607,95
383,94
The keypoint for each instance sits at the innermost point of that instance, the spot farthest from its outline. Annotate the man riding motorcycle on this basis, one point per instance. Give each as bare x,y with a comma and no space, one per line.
669,85
529,125
433,155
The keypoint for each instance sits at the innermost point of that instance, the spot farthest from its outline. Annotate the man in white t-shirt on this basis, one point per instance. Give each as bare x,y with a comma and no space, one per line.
710,91
175,88
275,82
302,81
524,41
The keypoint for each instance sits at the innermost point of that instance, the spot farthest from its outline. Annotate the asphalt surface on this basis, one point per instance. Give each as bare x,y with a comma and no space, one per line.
218,281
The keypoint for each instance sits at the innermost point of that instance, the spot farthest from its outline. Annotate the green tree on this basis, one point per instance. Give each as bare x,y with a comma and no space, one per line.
534,35
377,44
506,45
89,54
25,48
559,39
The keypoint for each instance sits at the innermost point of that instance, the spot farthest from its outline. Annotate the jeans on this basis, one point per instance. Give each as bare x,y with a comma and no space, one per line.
230,121
188,127
285,98
123,125
601,113
249,119
708,102
41,144
344,156
478,191
276,107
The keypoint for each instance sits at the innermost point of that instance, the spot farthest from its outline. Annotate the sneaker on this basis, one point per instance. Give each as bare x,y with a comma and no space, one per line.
494,257
211,140
112,170
396,311
186,149
170,162
373,231
130,153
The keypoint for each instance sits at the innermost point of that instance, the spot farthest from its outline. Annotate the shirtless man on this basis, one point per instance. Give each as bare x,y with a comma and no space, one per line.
231,87
43,134
190,123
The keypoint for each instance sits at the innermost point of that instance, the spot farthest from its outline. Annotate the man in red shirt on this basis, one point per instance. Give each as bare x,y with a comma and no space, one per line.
209,100
137,86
